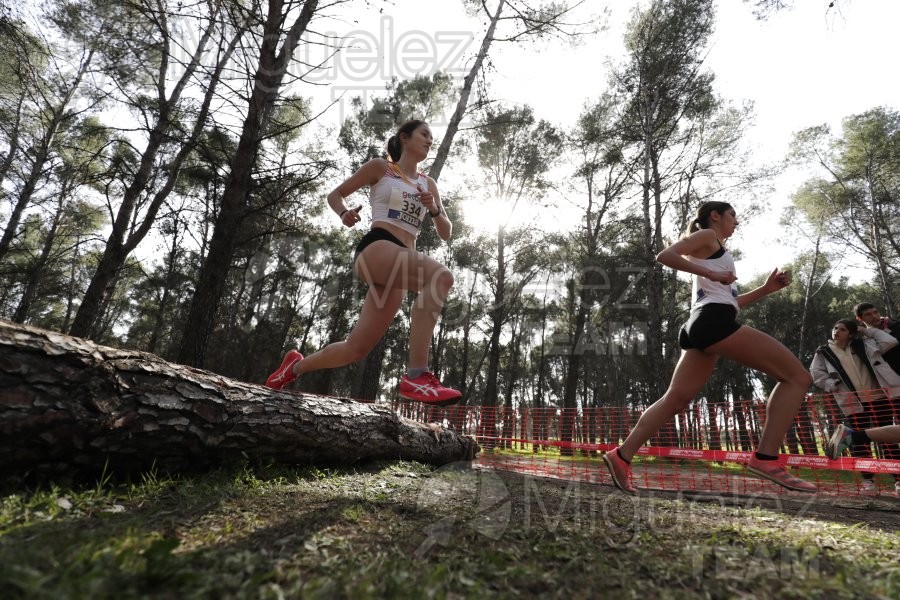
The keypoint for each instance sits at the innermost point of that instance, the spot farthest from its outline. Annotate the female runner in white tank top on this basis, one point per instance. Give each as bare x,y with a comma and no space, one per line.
387,260
711,332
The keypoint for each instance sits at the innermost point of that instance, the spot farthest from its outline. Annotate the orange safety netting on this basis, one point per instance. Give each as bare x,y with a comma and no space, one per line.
700,450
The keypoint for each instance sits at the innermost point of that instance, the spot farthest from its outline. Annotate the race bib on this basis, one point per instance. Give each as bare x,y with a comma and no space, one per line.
405,206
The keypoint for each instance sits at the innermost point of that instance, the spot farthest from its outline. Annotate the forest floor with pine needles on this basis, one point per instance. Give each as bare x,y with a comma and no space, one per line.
405,530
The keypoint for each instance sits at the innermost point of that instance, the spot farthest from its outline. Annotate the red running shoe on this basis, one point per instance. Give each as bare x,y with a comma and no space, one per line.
426,388
285,373
619,470
773,471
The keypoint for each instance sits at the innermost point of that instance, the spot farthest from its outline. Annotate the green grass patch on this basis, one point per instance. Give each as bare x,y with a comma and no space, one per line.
403,530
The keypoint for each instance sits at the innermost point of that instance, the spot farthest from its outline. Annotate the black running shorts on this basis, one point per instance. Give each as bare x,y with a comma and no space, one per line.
375,234
707,325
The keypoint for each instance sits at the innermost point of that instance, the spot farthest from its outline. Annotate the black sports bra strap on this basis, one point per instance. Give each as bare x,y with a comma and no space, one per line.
718,252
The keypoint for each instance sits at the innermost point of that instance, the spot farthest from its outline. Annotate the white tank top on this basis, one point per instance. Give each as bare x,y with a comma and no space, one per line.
705,290
395,199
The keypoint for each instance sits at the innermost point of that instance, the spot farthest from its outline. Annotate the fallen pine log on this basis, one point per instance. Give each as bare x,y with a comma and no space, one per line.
70,405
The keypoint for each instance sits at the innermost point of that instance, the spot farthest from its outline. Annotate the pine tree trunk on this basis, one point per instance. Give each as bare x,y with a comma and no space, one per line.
338,328
497,315
807,298
463,103
68,405
127,232
268,79
466,342
368,382
37,270
12,140
116,250
41,155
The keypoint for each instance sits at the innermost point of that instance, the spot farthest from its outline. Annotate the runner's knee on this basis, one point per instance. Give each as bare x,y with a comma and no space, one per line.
678,399
798,377
439,286
444,280
356,351
804,379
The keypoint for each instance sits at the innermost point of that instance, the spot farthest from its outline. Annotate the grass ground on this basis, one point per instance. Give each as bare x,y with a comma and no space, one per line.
403,530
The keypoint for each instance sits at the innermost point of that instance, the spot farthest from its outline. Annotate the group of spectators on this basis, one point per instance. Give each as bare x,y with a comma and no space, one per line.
860,368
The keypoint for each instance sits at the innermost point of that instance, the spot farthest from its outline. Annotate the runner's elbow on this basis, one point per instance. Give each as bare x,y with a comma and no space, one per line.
665,257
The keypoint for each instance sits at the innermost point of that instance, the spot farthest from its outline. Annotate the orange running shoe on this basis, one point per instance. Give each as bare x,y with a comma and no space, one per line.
285,373
619,470
426,388
773,471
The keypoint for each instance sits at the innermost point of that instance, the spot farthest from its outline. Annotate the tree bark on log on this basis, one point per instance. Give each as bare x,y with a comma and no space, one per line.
68,405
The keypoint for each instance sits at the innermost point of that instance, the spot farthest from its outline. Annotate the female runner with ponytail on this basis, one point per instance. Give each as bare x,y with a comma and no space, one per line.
387,260
711,332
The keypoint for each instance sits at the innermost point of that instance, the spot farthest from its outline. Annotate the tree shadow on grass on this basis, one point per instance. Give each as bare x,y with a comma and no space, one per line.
201,535
400,530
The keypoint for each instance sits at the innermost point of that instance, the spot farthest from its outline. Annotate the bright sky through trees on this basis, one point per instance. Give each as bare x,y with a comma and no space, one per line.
801,67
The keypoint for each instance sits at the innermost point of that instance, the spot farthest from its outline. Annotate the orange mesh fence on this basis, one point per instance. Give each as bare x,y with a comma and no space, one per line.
702,449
